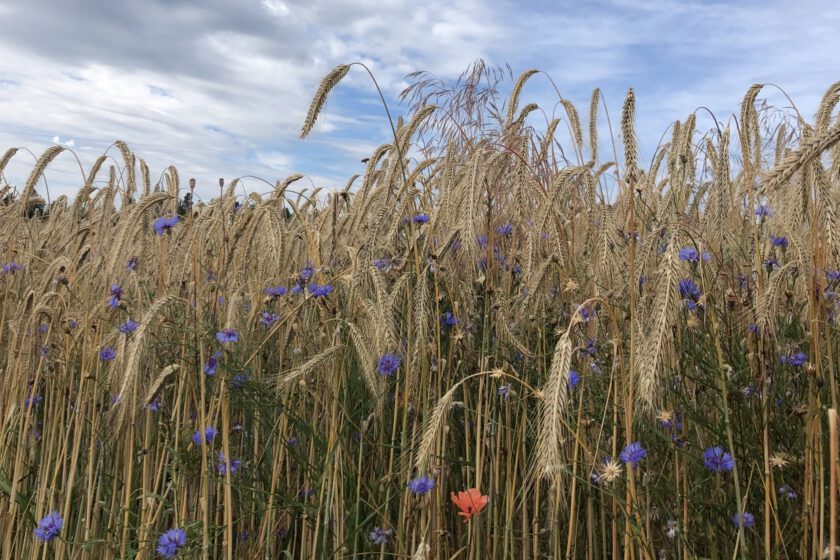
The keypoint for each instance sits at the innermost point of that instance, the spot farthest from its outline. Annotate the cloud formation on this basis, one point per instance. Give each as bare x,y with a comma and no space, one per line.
220,88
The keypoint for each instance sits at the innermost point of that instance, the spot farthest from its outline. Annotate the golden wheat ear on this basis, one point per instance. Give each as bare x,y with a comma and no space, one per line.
324,88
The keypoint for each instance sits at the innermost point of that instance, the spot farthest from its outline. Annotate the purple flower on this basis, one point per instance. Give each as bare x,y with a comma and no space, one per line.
796,359
306,274
633,453
209,435
49,527
421,218
165,223
421,485
296,289
132,264
754,329
382,264
116,295
12,267
319,290
747,520
388,364
73,324
380,536
689,290
154,406
449,320
763,211
107,354
505,229
212,363
779,241
171,542
717,460
292,441
268,318
689,254
227,335
770,263
275,291
832,275
128,327
34,401
787,492
221,466
504,391
574,379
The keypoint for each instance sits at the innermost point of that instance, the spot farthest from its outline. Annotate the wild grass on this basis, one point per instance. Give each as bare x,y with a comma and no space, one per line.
548,309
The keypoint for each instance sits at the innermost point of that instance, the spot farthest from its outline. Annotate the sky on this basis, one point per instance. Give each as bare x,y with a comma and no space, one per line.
220,88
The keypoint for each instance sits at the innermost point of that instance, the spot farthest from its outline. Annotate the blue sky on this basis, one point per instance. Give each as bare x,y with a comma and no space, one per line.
220,88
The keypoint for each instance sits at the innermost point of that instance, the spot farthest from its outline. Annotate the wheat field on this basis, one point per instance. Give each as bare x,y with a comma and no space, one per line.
628,359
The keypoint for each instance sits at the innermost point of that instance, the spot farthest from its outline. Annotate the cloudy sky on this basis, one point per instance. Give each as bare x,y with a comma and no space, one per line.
220,87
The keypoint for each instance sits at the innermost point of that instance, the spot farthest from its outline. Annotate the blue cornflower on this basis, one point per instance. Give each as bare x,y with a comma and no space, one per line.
689,290
116,295
35,401
388,364
221,464
717,460
171,542
633,453
574,379
107,354
449,320
306,273
320,290
132,264
796,359
779,241
770,263
421,485
275,291
12,267
754,329
269,318
689,254
154,406
763,211
212,363
382,264
209,435
505,229
128,327
380,536
747,520
504,391
227,335
49,527
296,289
73,324
787,492
832,275
165,223
421,218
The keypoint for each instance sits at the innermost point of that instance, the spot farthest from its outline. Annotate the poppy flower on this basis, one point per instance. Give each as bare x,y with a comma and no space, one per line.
470,502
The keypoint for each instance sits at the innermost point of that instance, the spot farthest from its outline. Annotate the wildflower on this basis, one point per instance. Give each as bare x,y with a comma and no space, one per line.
633,453
132,263
690,254
306,274
107,354
388,364
212,363
763,211
73,324
797,359
716,460
832,275
504,391
275,291
382,264
268,318
449,320
421,218
380,536
116,295
165,223
34,401
780,241
296,289
574,379
747,520
292,441
609,471
770,263
421,485
221,466
128,327
171,542
318,290
470,503
209,435
670,420
750,390
689,290
787,492
779,460
505,229
227,335
154,405
12,267
49,527
754,329
43,350
481,240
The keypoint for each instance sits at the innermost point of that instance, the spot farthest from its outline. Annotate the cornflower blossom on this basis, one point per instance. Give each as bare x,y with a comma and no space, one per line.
689,290
116,295
505,229
421,485
171,542
212,363
227,335
633,453
690,254
275,291
165,223
12,267
306,274
221,465
763,211
747,520
209,435
382,264
380,536
49,527
107,354
449,320
796,359
787,492
320,290
717,460
420,218
388,364
34,401
269,318
574,379
780,241
132,263
504,391
128,327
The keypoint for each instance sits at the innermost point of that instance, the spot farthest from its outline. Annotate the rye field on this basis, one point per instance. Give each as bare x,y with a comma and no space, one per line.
507,337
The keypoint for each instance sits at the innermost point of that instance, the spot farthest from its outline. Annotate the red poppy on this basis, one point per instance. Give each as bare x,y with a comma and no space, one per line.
470,502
